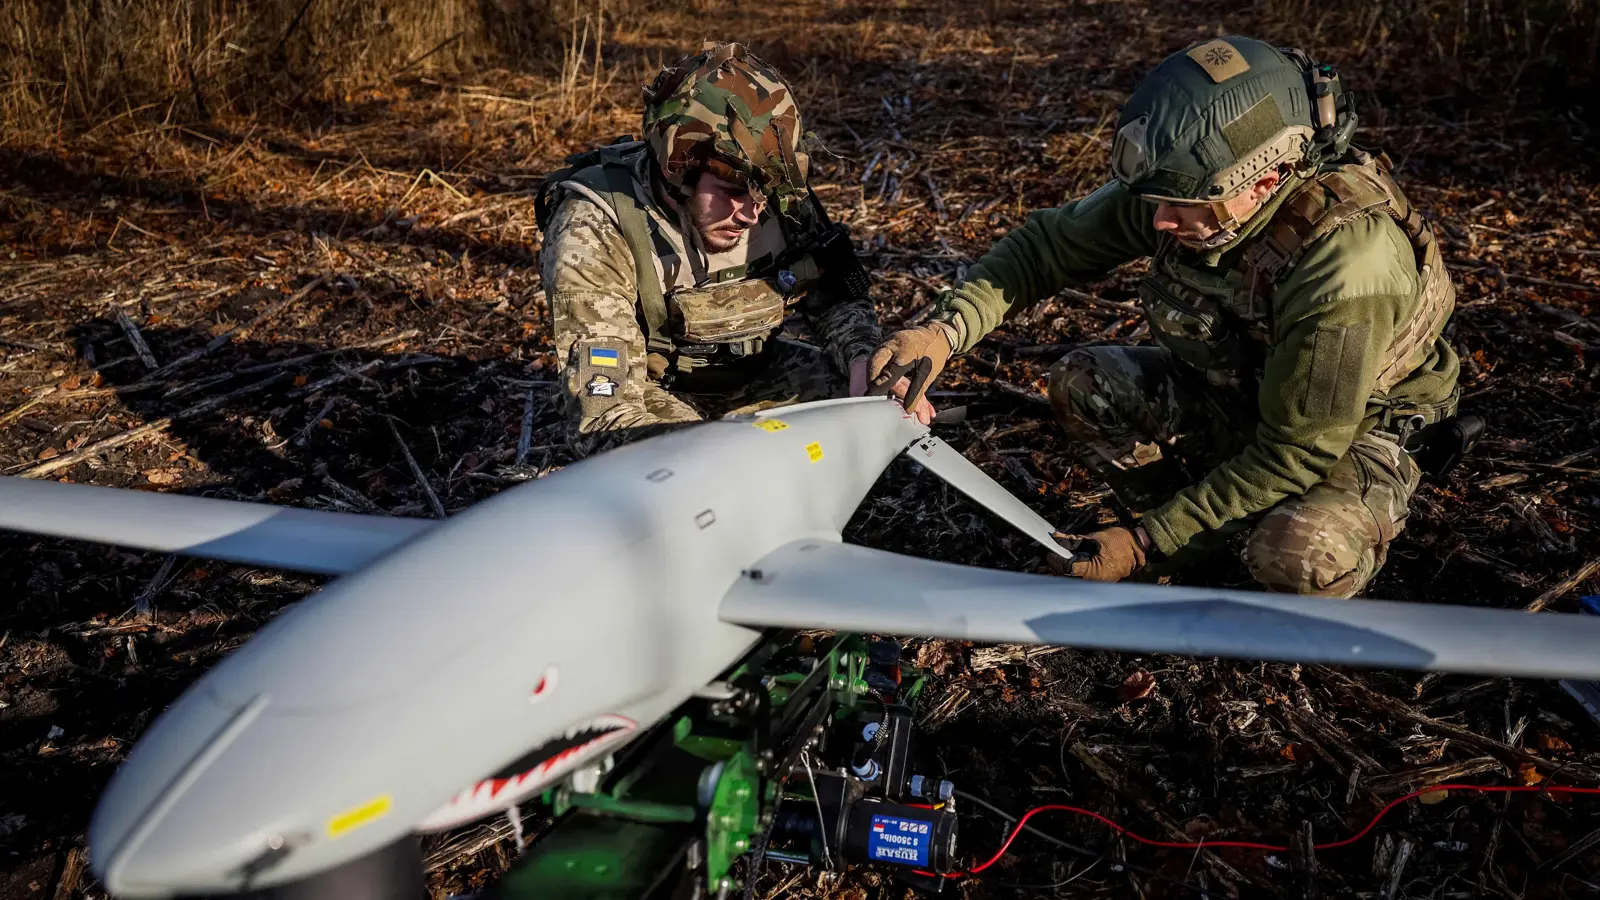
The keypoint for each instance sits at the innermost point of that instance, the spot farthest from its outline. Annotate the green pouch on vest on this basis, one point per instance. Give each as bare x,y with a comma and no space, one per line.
725,313
1192,328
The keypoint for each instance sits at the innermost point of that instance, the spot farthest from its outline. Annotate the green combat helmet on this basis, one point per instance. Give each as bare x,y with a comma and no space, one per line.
726,112
1212,119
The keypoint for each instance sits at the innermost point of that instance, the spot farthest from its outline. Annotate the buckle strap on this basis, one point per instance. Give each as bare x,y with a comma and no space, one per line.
1434,412
1406,421
689,357
1266,256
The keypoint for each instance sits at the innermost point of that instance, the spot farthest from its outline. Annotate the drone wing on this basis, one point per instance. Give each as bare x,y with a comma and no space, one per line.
835,586
302,540
956,470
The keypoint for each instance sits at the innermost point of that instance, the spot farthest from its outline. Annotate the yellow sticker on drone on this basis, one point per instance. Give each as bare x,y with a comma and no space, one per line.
771,424
814,451
358,816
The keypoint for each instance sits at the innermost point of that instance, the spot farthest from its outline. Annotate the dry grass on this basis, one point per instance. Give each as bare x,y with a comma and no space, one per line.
70,65
67,63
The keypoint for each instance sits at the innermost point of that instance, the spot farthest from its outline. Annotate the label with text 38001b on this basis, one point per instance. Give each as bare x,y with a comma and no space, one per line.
897,840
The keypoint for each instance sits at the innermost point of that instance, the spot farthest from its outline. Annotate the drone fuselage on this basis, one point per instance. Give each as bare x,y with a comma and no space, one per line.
483,660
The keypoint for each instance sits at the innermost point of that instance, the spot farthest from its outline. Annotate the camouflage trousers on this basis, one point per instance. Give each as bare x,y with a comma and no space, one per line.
1149,426
789,374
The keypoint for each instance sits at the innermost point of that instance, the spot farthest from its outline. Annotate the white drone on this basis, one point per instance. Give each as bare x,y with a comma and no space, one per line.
577,610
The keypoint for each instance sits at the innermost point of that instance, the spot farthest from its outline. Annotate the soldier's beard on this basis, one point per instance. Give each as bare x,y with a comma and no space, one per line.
716,210
719,235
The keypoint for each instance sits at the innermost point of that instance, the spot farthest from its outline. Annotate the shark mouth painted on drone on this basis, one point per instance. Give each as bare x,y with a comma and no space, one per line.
539,769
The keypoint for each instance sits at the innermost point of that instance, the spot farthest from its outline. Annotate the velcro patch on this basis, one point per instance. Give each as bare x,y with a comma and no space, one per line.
601,373
1220,59
1258,125
1334,387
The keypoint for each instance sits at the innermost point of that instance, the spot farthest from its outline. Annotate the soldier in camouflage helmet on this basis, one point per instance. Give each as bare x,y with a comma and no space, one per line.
672,263
1297,302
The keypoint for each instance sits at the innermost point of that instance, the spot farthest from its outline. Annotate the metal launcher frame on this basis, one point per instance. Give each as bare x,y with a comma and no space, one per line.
800,754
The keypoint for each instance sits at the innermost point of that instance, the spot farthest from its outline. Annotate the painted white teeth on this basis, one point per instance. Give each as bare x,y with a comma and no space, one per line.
490,795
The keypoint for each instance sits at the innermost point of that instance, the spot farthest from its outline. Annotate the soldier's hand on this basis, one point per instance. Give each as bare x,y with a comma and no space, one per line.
922,409
1119,554
858,376
907,363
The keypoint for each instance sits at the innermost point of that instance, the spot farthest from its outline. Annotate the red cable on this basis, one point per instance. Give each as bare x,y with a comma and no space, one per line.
1251,845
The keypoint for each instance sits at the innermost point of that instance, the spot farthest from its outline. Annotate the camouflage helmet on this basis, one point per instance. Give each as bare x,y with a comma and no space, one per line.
1215,117
726,112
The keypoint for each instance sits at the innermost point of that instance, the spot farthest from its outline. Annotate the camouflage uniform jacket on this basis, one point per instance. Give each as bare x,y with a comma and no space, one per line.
590,283
1316,351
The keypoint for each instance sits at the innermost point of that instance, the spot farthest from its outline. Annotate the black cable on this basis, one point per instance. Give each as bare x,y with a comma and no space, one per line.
1085,851
756,860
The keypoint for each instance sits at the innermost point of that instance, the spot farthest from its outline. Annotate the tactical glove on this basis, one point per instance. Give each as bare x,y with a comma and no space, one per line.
1118,554
918,354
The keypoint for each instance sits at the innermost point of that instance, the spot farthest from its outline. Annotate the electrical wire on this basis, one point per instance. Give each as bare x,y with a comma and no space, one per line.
1117,866
1022,823
1469,788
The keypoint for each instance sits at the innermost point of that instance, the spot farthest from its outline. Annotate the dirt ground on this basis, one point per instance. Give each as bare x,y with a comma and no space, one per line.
321,293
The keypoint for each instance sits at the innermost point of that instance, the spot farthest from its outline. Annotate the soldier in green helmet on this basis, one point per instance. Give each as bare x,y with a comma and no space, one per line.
671,263
1296,299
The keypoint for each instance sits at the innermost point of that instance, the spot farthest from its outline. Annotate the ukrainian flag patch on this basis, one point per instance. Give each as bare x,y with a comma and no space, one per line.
601,356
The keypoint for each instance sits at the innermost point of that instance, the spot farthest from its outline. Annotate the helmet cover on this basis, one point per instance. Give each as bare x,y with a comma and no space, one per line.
1208,122
726,112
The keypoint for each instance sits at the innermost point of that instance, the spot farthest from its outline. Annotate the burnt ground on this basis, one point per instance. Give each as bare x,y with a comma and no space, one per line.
302,282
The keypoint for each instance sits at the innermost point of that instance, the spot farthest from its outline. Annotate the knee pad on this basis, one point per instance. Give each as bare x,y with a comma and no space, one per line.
1305,550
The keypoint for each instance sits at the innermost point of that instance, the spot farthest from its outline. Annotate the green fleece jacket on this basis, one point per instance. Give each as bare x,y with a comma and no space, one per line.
1334,317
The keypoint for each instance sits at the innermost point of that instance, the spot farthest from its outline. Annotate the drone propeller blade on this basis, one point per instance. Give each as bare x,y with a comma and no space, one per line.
302,540
957,471
829,585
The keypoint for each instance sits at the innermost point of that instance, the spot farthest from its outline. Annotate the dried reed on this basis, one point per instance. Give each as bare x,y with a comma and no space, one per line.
85,61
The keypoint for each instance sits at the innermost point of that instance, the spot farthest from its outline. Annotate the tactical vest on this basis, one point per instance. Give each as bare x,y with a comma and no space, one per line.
1219,321
732,315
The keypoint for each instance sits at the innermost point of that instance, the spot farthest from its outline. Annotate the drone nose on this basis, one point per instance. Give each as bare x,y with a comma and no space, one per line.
131,835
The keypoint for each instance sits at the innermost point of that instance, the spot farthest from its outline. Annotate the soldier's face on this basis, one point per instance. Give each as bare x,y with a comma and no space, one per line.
1193,224
722,211
1196,223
